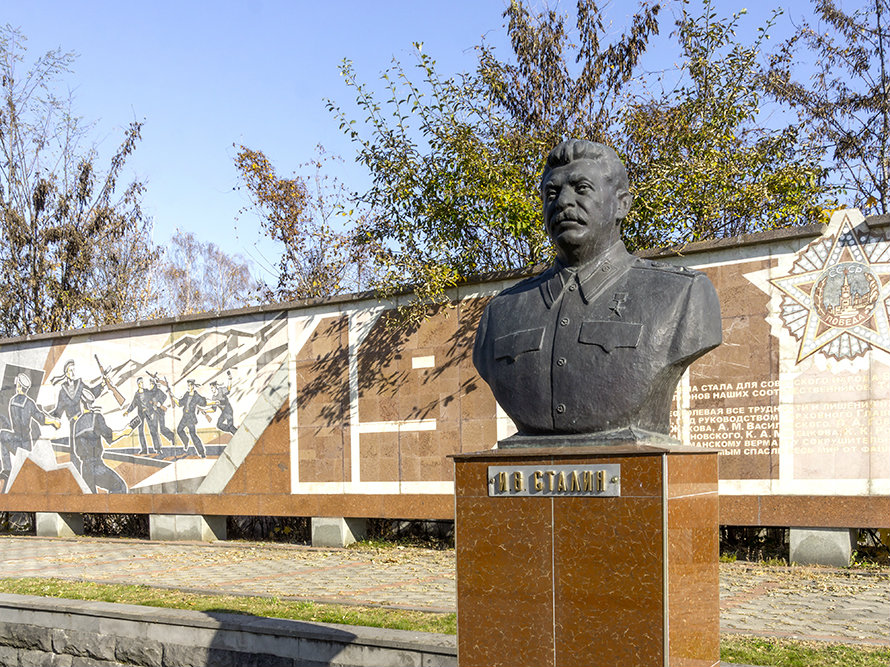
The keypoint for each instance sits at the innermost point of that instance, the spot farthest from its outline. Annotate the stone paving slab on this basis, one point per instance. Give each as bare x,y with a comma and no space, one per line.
849,605
802,602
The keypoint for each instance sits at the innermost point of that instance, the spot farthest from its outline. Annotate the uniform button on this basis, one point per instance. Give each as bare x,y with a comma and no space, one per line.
560,408
561,361
564,322
572,287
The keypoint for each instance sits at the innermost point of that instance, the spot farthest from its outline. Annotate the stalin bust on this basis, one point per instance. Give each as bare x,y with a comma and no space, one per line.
592,349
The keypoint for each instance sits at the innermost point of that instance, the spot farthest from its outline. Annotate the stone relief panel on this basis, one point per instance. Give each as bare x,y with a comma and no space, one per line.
149,410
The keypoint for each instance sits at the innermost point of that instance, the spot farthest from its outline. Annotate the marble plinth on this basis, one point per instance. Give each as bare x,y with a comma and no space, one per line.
629,580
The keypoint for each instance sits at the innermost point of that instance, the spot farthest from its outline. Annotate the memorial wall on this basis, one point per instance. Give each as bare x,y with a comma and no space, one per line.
797,400
330,408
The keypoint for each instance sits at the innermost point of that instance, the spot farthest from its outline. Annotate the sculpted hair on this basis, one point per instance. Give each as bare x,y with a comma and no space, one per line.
581,149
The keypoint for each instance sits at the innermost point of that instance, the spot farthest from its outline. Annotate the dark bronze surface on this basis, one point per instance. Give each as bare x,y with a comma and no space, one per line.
597,343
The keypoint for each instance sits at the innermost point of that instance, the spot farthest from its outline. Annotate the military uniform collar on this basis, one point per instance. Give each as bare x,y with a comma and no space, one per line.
590,277
70,386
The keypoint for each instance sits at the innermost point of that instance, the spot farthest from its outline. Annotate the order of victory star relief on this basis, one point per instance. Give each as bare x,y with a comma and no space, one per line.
834,296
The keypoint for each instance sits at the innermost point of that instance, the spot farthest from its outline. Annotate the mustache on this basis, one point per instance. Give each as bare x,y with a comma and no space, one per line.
566,216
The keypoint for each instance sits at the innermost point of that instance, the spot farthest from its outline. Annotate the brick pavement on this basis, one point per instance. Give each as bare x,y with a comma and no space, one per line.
802,602
815,603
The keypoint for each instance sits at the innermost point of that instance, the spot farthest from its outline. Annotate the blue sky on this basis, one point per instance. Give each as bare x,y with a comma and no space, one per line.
206,75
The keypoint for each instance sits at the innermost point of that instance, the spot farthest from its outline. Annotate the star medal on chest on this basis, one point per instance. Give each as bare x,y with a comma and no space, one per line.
618,300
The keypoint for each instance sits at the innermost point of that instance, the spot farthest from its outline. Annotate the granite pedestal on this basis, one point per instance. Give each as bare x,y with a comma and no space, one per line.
623,575
59,524
822,546
186,527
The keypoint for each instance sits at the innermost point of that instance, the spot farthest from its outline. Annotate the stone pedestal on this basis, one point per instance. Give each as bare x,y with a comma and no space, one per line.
337,531
62,524
822,546
186,527
625,573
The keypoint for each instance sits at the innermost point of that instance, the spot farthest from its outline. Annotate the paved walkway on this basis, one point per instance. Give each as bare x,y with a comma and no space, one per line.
800,602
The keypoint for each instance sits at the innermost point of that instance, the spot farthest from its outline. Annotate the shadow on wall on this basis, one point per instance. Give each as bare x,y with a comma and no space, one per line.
272,642
381,362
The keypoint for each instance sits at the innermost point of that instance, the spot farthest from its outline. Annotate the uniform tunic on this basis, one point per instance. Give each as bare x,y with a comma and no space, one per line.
597,349
22,411
190,402
155,416
71,397
142,405
87,433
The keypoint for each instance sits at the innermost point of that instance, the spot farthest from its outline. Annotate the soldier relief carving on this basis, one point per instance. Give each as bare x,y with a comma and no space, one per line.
593,348
140,414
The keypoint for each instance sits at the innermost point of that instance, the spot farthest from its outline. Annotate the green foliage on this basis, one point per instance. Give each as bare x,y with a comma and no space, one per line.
317,259
75,247
872,549
450,185
775,562
455,162
377,617
700,163
845,104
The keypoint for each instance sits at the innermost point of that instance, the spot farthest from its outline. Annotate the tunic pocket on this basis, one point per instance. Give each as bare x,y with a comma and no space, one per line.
512,345
609,334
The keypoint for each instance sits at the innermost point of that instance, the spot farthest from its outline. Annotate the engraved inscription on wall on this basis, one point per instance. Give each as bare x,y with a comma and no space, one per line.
746,429
840,423
741,421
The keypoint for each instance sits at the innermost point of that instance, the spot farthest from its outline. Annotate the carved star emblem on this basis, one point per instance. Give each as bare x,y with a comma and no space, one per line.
835,296
619,299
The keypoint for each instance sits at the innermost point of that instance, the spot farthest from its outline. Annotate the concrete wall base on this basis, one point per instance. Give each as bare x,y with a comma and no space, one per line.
55,524
822,546
186,527
54,631
337,531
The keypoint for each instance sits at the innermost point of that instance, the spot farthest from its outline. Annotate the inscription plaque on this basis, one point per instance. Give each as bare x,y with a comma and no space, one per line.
603,480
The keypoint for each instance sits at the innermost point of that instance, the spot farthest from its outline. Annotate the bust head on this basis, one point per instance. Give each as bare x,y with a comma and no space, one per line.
22,383
584,190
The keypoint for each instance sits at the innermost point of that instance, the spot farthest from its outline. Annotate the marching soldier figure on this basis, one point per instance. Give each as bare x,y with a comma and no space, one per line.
190,402
88,430
142,405
71,392
220,399
22,411
156,410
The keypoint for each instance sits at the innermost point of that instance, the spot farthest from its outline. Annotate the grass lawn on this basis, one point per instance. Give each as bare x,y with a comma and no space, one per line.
377,617
733,648
773,652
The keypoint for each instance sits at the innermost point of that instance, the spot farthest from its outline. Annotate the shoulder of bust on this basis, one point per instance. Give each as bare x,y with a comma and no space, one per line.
662,267
526,284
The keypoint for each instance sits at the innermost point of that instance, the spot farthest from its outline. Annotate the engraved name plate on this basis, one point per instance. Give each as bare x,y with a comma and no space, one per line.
603,480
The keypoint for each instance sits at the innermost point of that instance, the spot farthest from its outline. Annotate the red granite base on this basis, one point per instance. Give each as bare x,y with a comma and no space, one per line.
621,581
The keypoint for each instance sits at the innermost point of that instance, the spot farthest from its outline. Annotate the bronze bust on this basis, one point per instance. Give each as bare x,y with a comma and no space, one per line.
596,344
